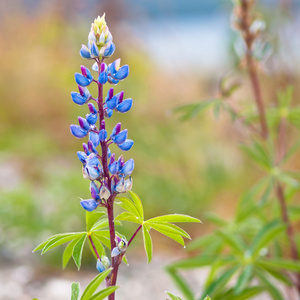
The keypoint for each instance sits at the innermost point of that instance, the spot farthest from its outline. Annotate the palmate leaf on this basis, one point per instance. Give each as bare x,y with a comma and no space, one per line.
265,236
233,241
126,216
259,153
92,218
220,282
138,203
94,284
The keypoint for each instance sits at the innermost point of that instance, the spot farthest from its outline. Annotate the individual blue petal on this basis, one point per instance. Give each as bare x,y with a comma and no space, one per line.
84,52
94,50
86,73
112,103
122,73
121,137
82,156
110,49
112,80
116,130
114,168
124,106
102,135
81,80
78,99
77,131
92,118
99,266
92,108
102,77
93,172
94,190
128,167
115,252
92,148
126,145
108,153
108,113
95,67
83,123
89,204
94,138
93,160
115,66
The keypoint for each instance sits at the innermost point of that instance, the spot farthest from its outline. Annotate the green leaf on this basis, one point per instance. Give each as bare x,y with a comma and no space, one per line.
128,205
177,238
220,282
94,284
258,153
68,252
181,284
138,204
280,263
77,251
244,295
213,218
200,261
175,218
294,116
129,217
104,293
61,240
273,291
292,150
147,243
243,279
192,110
233,241
207,298
173,297
265,236
102,238
169,228
75,288
57,236
92,218
280,276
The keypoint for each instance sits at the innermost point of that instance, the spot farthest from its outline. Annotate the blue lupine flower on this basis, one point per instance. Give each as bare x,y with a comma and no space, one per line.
83,123
94,138
120,248
85,78
120,138
77,131
89,204
94,50
82,97
94,191
82,156
124,106
103,74
92,167
110,49
127,168
85,52
99,266
127,145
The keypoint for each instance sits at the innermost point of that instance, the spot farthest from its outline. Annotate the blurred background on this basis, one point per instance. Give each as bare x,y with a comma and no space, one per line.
177,52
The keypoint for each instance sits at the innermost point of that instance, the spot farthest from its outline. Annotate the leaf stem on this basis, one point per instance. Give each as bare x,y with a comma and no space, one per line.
93,245
133,236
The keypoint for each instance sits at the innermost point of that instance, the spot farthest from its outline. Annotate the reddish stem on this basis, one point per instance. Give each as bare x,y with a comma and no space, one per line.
93,245
139,228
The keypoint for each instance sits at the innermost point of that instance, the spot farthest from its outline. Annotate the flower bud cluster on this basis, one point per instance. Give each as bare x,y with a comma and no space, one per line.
109,175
